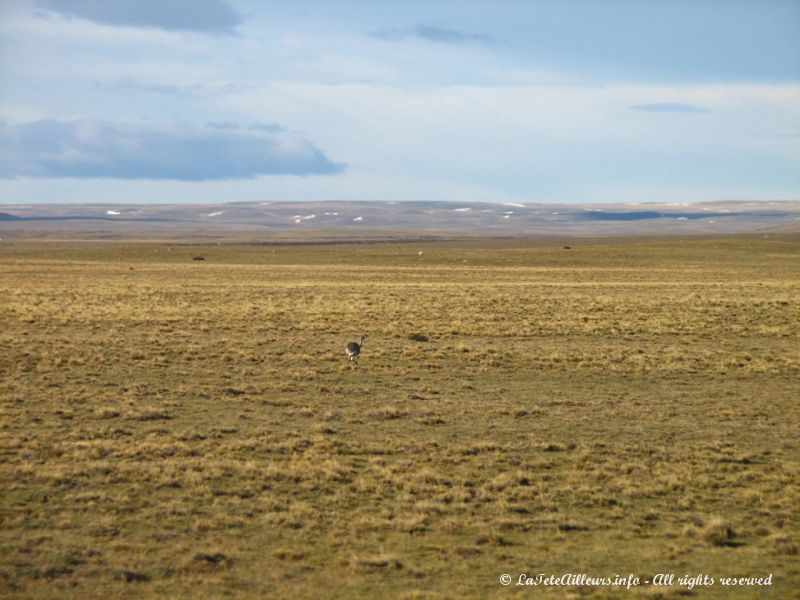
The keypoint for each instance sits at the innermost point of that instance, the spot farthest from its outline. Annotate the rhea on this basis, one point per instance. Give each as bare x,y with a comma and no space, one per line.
353,349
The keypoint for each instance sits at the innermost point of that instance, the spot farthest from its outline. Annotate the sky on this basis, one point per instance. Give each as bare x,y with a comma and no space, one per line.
164,101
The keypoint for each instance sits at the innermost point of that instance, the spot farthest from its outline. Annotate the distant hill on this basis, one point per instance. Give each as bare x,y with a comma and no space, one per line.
398,219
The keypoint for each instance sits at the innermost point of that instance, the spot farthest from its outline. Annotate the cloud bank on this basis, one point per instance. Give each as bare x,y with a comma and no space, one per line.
669,107
201,16
430,33
101,149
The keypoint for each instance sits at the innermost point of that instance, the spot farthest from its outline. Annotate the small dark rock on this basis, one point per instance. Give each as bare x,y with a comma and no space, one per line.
132,577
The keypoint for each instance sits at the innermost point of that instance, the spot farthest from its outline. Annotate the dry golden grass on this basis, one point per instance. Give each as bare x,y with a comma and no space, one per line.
191,429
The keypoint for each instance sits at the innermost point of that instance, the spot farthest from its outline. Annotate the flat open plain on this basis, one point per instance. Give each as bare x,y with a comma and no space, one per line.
179,428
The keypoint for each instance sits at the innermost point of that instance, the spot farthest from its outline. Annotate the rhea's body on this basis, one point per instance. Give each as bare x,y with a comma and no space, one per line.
353,349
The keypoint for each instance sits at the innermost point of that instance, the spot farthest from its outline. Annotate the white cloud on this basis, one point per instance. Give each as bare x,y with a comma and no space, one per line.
93,149
470,124
204,16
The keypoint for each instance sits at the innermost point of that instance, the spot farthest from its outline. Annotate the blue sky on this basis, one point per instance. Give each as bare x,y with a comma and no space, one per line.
508,101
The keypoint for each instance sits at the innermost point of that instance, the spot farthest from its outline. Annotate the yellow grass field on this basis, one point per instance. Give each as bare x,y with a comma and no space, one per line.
179,428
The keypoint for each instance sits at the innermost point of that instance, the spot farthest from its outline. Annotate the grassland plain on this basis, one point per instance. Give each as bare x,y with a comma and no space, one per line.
180,428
